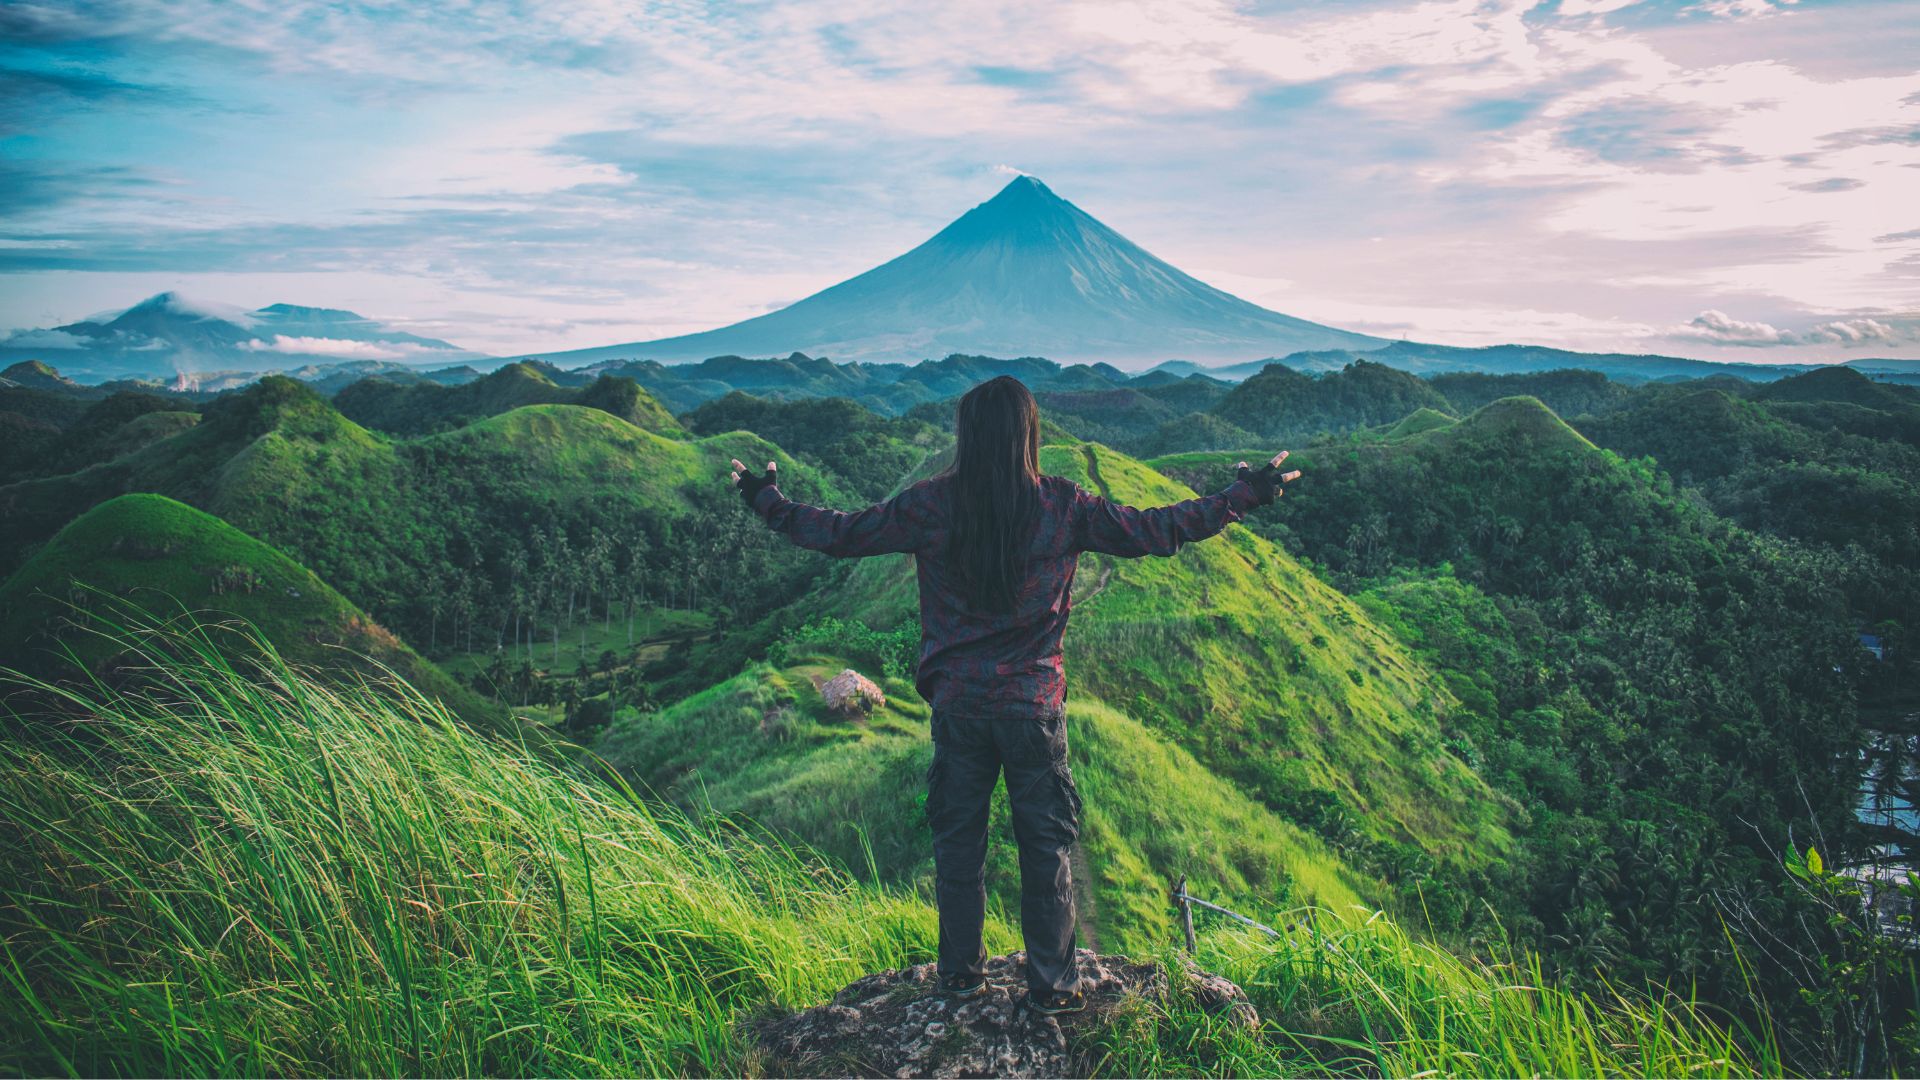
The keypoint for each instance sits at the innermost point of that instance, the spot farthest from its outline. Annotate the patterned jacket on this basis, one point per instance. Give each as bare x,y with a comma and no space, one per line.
1001,665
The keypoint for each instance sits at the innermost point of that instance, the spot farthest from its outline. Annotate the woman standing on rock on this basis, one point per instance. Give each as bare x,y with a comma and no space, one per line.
996,545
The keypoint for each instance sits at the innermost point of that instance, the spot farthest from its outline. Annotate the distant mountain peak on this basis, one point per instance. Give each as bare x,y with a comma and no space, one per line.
1025,211
175,304
1025,273
1026,187
170,333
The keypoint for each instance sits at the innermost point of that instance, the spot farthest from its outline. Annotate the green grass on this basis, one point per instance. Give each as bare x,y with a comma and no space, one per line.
151,552
372,513
235,869
229,868
1524,417
420,407
1271,678
1340,997
760,747
1416,422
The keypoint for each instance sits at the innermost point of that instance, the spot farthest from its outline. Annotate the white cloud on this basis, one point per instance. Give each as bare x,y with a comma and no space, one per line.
1593,7
1772,186
1852,332
344,349
1723,329
1744,9
1758,145
44,339
1720,328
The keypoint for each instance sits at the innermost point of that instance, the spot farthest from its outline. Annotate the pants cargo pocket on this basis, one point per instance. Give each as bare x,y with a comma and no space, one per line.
1066,800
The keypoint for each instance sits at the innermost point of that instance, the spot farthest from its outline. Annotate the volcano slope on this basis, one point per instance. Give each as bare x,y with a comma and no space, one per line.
1024,273
1233,719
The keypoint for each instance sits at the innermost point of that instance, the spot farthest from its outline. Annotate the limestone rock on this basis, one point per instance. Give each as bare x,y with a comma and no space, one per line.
850,695
896,1023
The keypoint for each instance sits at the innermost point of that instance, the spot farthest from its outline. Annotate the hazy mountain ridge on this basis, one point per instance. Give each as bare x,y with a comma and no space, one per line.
1024,274
171,334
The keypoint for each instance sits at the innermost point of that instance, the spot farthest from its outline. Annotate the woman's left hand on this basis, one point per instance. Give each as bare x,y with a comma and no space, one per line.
1267,480
750,485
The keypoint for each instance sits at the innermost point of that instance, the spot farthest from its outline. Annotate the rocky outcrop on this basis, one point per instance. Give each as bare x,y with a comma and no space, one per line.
851,695
896,1023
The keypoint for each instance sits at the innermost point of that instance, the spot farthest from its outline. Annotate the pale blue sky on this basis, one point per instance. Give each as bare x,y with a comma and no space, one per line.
1735,179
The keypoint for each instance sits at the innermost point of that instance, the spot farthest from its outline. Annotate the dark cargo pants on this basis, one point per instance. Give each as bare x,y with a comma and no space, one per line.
968,756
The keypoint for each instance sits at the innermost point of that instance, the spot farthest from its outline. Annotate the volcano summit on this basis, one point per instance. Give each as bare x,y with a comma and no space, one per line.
1025,273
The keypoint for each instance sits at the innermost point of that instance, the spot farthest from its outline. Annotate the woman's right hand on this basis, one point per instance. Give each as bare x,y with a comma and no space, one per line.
749,484
1267,479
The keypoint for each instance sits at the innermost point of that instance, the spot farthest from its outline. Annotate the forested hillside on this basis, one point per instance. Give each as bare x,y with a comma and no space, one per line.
1290,713
1538,661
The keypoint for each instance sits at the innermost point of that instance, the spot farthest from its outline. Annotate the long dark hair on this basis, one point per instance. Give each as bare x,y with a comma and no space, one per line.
995,485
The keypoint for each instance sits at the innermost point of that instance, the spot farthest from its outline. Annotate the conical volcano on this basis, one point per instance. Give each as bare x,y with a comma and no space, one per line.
1025,273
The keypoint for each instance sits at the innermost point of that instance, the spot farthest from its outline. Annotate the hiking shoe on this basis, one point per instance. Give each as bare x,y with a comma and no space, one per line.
1057,1004
963,986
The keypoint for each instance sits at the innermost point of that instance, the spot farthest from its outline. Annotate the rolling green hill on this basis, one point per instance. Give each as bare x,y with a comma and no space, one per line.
1417,422
1272,681
526,518
870,452
1677,686
761,746
1806,459
165,557
1570,393
422,406
1271,678
1840,384
1281,403
105,429
323,880
1509,680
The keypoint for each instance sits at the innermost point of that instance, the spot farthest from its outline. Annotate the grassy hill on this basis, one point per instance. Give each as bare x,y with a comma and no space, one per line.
1272,681
1637,627
1828,457
761,746
1281,403
1570,393
153,553
271,876
421,406
1271,677
1234,718
1417,422
868,451
482,526
1840,384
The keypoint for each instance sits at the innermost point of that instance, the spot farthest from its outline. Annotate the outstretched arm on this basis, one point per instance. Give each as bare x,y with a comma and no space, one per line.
881,529
1113,529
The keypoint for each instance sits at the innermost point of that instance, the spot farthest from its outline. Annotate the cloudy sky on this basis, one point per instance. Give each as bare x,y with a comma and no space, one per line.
1733,179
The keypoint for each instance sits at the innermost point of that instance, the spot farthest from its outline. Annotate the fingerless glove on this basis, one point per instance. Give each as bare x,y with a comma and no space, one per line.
1265,482
750,485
